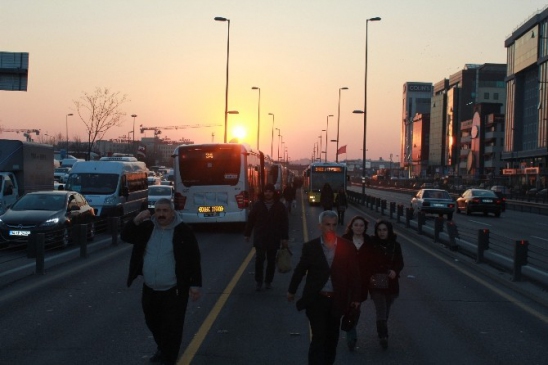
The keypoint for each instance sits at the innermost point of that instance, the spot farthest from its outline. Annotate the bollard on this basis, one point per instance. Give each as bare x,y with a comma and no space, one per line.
520,258
31,247
81,238
483,243
114,223
377,204
408,216
438,228
40,253
421,220
400,212
453,233
392,209
383,206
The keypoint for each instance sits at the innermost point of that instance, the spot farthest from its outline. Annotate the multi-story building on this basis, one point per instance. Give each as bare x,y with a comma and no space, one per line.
415,99
526,128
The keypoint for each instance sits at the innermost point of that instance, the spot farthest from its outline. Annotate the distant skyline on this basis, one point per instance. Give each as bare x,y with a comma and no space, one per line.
169,58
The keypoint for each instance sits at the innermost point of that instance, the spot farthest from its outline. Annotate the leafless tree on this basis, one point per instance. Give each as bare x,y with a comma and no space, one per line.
100,111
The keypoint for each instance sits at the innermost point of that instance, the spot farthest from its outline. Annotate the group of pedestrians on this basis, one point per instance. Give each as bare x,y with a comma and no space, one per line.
338,270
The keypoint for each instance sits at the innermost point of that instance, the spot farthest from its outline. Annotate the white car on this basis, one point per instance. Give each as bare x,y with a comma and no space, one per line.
156,192
61,174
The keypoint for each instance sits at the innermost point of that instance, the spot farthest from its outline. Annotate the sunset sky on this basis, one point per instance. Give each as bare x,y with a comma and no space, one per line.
169,58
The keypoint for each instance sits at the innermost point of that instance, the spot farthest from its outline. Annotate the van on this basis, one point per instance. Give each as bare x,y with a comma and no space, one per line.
113,186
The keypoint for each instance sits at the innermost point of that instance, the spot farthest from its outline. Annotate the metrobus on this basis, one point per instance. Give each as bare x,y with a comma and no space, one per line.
217,183
276,174
317,174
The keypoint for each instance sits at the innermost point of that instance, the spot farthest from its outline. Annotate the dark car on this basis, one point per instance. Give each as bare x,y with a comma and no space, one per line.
50,212
479,200
434,201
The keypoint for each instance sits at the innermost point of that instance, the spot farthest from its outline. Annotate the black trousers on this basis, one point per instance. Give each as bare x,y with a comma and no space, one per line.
260,256
165,316
325,331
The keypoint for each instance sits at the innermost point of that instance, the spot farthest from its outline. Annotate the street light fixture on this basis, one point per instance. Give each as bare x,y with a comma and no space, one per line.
338,122
326,139
221,19
364,112
258,115
66,126
133,135
272,139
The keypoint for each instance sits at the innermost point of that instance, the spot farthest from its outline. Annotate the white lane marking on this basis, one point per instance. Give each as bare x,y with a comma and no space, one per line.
540,238
478,222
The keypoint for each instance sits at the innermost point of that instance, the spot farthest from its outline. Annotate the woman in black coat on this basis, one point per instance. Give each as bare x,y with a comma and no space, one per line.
327,197
384,256
356,233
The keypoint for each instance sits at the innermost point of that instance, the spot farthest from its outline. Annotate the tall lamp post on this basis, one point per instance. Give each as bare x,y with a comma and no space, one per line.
272,140
66,126
133,135
221,19
338,122
278,129
258,115
375,19
326,139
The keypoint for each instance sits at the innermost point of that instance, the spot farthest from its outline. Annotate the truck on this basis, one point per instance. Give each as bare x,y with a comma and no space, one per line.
24,167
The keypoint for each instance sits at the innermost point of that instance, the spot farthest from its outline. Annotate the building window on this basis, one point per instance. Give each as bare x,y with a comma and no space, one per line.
496,96
486,96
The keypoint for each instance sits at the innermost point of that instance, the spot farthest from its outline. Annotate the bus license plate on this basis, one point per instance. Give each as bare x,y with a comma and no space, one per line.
20,233
211,209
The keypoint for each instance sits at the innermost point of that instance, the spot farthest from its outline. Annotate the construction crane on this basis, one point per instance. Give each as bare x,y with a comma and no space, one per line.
157,130
26,132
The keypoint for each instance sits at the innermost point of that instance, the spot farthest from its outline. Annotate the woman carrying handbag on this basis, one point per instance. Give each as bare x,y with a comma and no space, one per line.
384,264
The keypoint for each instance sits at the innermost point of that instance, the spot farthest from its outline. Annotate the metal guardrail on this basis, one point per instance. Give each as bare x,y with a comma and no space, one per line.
519,257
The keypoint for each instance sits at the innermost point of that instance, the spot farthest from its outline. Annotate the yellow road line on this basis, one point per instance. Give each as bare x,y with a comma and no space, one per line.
198,339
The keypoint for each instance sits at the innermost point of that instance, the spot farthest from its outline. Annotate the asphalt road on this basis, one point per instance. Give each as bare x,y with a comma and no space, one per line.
449,312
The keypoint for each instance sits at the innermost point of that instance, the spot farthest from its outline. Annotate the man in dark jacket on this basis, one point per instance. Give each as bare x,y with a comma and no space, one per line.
165,252
332,285
269,223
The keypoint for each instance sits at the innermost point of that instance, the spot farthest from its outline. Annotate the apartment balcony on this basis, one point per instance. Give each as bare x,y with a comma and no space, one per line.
465,139
492,135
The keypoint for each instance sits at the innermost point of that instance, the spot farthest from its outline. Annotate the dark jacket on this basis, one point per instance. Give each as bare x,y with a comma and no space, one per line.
382,256
185,249
361,255
327,197
344,275
289,193
340,201
269,226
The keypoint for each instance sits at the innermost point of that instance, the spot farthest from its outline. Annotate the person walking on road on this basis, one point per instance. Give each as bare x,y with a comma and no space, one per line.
289,194
165,252
327,197
356,233
269,222
332,285
342,204
384,256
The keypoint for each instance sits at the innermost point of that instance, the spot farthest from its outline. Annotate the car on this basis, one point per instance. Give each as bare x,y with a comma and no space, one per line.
502,197
433,201
479,200
156,192
60,174
52,212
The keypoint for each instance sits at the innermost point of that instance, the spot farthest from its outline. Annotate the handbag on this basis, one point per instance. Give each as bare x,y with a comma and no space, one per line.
283,260
378,281
350,318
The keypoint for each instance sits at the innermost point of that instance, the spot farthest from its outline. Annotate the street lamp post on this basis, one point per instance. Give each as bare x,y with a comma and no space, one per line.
278,129
272,139
321,146
338,122
326,139
365,103
221,19
133,135
66,126
258,115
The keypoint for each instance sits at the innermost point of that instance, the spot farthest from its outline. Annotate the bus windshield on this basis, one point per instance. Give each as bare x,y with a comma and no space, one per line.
91,183
334,176
210,165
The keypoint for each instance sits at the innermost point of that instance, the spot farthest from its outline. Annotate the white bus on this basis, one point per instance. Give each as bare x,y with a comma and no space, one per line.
276,174
113,186
217,183
318,174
